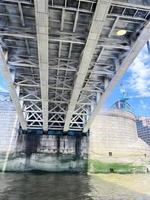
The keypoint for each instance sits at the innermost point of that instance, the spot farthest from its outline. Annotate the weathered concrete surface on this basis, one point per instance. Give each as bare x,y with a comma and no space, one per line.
46,162
47,153
114,139
52,153
8,126
113,133
20,152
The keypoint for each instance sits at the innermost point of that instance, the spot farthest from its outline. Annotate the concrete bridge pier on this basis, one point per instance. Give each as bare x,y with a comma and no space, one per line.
114,144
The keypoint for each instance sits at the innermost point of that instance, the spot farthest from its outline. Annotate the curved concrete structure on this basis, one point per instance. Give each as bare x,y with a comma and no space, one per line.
114,139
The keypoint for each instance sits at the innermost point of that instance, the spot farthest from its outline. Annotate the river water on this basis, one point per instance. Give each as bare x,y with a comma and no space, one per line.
42,186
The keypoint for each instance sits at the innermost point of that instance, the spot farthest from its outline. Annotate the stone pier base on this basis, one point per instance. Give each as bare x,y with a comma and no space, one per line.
114,145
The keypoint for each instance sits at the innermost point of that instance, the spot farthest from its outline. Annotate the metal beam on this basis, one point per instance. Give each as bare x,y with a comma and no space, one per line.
71,9
32,36
41,15
37,86
92,40
6,74
137,46
18,35
18,1
130,4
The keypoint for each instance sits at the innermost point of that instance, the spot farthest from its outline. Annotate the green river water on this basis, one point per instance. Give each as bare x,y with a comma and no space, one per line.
56,186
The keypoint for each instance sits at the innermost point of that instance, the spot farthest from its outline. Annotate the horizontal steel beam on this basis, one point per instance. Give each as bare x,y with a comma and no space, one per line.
131,5
17,35
53,112
71,9
33,36
38,85
19,1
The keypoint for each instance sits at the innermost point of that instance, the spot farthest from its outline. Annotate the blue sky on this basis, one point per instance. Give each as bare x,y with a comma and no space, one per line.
136,83
3,85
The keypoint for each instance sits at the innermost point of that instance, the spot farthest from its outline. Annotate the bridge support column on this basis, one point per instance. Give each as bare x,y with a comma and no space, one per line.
58,144
78,139
114,145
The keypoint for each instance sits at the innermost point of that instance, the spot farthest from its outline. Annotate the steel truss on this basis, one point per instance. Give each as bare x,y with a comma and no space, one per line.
66,56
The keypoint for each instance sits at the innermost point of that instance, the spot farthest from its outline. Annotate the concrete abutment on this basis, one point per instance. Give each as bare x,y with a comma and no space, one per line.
114,145
111,146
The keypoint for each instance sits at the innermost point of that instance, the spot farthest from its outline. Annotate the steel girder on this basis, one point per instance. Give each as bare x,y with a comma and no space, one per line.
61,61
7,75
41,16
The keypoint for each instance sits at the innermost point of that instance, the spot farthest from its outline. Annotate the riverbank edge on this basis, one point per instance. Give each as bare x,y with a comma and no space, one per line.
96,166
84,166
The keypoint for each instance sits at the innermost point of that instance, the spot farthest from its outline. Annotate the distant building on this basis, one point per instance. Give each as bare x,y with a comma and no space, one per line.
143,128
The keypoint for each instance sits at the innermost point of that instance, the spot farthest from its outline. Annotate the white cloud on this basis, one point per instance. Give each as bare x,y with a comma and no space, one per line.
139,80
143,105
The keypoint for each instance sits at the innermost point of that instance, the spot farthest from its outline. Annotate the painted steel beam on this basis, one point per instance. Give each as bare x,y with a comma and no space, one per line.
7,75
92,40
18,1
130,4
18,35
32,36
71,9
41,16
37,86
137,46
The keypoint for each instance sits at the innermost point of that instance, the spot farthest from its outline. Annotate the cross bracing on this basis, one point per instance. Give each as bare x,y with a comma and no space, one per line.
66,56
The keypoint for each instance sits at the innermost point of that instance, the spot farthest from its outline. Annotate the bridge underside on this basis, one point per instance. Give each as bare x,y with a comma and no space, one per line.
61,58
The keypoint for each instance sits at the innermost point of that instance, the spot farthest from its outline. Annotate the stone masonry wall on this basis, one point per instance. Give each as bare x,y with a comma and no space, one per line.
8,127
113,138
21,152
53,144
